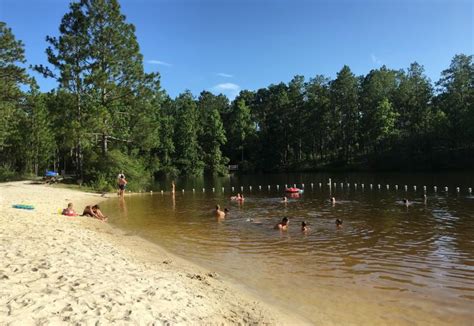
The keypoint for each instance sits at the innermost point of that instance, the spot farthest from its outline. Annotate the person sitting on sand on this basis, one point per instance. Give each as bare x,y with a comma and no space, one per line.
219,213
283,225
338,223
69,211
94,211
304,227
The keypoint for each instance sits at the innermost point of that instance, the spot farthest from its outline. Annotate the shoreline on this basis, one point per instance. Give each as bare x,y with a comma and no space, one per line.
58,269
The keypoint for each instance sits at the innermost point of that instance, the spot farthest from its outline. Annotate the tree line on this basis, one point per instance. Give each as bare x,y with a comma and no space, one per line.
107,114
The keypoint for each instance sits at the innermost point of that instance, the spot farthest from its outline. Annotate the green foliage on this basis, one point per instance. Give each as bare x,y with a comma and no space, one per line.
103,171
7,173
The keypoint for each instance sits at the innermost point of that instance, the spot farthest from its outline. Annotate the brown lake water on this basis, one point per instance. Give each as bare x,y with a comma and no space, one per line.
389,263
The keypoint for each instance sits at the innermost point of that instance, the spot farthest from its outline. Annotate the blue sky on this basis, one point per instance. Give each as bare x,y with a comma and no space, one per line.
228,45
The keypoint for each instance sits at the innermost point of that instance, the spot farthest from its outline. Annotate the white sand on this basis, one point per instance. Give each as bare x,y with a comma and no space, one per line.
67,270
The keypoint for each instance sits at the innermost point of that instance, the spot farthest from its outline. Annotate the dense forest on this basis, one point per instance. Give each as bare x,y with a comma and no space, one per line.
107,114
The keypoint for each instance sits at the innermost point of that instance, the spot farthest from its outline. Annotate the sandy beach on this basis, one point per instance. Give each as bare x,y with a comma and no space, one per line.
66,270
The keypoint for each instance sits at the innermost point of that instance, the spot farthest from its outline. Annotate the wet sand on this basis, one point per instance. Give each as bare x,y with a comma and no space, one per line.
66,270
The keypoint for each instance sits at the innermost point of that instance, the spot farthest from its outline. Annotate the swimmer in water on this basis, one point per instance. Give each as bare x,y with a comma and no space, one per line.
283,225
406,202
284,200
338,223
333,200
219,213
304,228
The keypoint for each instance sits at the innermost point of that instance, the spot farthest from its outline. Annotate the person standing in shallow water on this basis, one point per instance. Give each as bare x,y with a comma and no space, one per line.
122,182
283,225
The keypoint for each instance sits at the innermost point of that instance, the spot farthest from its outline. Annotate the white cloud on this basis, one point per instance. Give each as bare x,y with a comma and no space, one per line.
158,62
222,74
375,60
226,87
229,89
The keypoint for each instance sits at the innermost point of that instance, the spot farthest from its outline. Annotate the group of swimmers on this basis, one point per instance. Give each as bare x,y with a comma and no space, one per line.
283,225
90,210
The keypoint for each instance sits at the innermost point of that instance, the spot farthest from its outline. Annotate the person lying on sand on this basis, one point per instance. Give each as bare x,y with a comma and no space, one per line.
69,211
94,211
283,225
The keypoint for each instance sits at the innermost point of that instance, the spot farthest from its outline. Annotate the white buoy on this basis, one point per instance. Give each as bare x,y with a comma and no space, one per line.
446,189
286,186
182,190
203,190
363,186
302,186
406,188
348,185
194,190
151,191
320,184
232,189
388,187
259,187
355,185
250,188
378,186
424,188
470,190
371,186
457,189
213,189
222,189
396,187
268,187
294,186
342,185
414,188
435,189
312,185
242,188
278,187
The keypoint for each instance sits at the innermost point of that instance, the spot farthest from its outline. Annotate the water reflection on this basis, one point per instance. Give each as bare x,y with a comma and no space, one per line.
392,259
